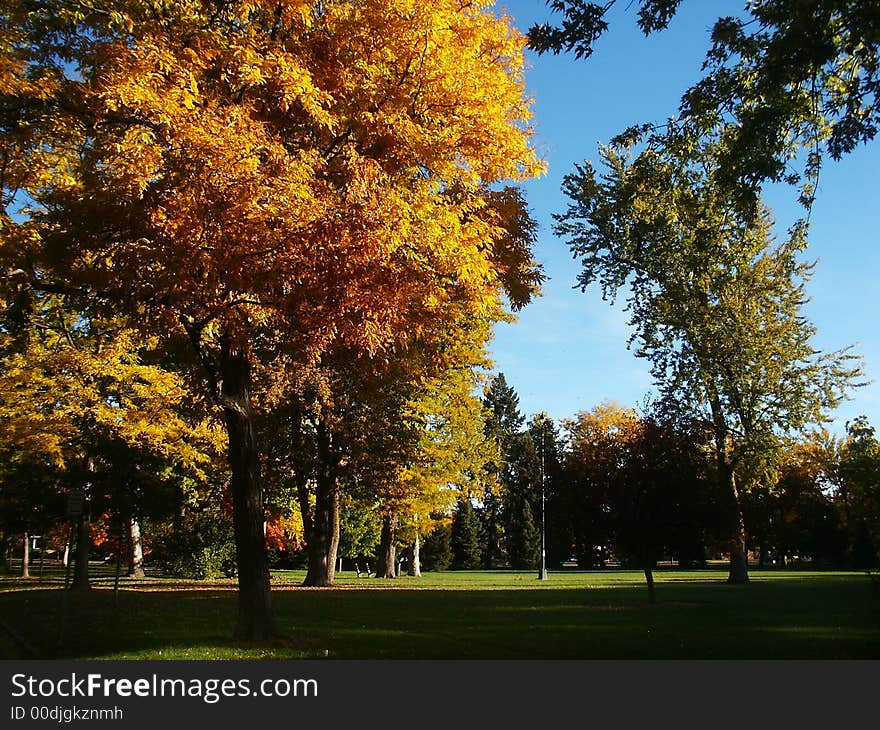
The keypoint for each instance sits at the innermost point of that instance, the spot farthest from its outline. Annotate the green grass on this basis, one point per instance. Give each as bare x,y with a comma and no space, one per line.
470,615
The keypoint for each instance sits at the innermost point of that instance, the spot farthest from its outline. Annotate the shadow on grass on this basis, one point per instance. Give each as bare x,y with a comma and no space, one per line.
808,617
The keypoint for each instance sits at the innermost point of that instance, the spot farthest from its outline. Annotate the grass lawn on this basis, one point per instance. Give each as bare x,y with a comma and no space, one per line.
466,615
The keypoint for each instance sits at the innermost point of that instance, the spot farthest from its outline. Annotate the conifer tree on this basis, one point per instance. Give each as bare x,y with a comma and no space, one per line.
465,537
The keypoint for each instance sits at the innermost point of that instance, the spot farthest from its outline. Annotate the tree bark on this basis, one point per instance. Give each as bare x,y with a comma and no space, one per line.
324,538
323,541
739,567
387,553
738,572
415,565
81,553
649,579
255,621
135,550
25,556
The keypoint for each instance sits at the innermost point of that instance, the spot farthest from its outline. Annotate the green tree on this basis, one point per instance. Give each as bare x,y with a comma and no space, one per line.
437,551
505,419
465,537
522,502
781,78
359,529
859,492
714,305
503,422
658,495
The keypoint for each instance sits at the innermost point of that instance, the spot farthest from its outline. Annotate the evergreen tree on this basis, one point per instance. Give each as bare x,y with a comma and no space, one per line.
521,497
437,549
503,423
524,537
492,521
465,538
505,419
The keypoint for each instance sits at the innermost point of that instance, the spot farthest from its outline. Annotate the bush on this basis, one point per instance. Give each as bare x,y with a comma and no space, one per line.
198,546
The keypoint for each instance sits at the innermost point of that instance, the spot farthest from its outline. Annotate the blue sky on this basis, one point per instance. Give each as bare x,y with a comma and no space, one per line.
568,350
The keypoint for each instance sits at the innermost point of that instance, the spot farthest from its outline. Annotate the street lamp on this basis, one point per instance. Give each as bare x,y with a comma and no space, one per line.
542,568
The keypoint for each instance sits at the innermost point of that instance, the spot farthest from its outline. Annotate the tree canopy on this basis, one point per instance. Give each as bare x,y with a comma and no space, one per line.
783,79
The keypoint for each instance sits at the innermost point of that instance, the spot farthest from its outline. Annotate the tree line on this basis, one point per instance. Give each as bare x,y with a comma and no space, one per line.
634,489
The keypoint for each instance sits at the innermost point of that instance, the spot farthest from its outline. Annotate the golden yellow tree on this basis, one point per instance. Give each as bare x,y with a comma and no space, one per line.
266,176
77,392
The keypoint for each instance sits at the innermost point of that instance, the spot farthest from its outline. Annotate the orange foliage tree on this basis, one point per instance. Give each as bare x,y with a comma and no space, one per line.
268,176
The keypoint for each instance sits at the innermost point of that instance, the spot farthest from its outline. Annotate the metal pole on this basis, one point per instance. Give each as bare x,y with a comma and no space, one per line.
118,564
65,601
542,570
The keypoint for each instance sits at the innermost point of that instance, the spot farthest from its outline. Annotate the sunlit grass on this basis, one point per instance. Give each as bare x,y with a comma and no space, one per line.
601,614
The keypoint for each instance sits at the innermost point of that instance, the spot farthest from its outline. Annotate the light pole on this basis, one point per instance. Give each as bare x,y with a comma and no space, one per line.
542,568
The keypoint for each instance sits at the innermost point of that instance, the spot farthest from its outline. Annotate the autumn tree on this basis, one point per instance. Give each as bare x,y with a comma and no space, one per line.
715,304
595,440
453,455
79,394
266,178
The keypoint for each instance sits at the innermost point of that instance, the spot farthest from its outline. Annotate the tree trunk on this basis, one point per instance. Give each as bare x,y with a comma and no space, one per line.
255,620
25,556
66,555
649,579
739,567
415,565
387,552
4,563
323,541
135,550
81,553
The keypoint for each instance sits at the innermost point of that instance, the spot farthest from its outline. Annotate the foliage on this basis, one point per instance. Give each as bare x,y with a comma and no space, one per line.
465,537
640,488
437,548
274,181
198,545
195,161
782,79
359,529
859,495
715,306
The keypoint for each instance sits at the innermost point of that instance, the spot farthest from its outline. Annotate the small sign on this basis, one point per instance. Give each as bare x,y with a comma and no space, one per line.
74,504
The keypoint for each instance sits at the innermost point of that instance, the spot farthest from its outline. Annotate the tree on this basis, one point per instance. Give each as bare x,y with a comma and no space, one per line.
594,455
359,529
437,551
266,178
859,492
84,396
503,423
784,77
659,495
465,537
715,306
